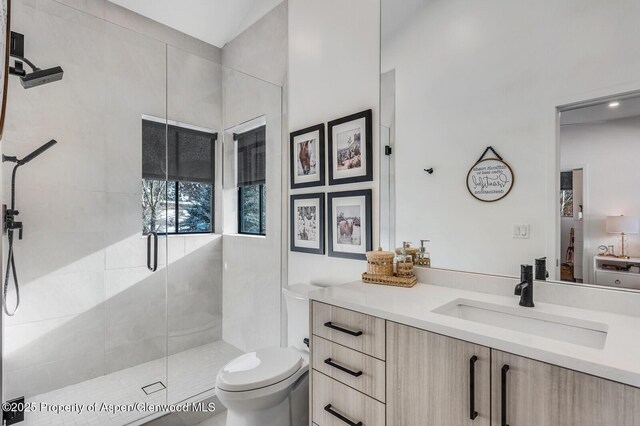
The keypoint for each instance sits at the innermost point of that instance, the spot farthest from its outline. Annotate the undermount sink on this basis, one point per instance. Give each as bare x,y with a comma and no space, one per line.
525,320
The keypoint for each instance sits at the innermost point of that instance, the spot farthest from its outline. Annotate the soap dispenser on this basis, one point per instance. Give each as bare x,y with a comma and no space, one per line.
404,265
424,257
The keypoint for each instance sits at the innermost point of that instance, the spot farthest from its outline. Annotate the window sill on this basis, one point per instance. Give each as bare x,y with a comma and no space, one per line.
191,235
246,235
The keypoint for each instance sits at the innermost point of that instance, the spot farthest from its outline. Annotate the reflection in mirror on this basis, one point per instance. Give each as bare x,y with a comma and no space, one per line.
458,77
598,204
387,172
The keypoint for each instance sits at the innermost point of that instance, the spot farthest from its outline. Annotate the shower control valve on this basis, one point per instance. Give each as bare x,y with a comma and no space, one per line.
10,223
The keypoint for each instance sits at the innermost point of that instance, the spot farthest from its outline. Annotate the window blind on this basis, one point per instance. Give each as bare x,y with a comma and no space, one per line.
191,153
252,157
566,181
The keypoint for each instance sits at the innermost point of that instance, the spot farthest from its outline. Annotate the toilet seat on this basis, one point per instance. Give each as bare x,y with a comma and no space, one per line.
259,369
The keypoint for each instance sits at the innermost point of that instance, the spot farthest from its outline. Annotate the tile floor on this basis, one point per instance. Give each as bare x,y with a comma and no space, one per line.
218,420
189,373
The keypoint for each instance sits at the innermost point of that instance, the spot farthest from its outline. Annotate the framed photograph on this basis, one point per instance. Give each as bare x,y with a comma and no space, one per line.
307,223
307,157
349,224
350,149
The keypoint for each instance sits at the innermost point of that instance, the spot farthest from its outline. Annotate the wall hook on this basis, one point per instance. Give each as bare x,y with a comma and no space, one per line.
430,171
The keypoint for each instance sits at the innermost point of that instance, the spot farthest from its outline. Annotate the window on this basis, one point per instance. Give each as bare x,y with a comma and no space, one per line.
179,201
251,181
566,194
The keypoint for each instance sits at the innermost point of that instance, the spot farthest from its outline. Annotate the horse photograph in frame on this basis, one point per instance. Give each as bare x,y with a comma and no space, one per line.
307,149
349,224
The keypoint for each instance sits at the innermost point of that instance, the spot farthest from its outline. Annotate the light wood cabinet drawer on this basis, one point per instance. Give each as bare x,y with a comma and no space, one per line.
335,404
357,370
357,331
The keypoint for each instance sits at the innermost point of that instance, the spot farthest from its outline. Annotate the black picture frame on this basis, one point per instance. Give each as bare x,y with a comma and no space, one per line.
368,143
368,231
320,163
320,223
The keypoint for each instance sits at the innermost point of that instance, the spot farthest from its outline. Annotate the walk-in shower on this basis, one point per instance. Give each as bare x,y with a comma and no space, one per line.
11,225
140,119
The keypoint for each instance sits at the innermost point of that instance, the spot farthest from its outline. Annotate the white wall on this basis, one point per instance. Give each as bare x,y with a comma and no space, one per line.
334,71
261,50
609,152
476,74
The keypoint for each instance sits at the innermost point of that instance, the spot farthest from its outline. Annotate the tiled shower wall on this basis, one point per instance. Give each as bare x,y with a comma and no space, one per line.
252,273
89,305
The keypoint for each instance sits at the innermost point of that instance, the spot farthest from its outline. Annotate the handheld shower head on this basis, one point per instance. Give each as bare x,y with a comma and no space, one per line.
37,152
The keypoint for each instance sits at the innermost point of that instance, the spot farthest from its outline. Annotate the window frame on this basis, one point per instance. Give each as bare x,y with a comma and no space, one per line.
169,124
263,225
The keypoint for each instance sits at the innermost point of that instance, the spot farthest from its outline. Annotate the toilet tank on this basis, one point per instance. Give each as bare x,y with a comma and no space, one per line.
297,305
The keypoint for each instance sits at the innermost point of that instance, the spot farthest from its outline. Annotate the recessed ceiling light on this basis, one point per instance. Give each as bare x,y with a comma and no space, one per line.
615,104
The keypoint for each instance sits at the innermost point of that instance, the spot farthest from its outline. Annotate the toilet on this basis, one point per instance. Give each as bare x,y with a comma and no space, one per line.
270,387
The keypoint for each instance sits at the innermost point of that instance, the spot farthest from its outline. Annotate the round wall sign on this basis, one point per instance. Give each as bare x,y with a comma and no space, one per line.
490,180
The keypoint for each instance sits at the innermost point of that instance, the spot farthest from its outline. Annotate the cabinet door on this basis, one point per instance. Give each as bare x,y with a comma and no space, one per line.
429,379
539,394
524,392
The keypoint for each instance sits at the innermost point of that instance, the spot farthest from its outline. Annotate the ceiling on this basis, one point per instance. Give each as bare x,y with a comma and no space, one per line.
214,21
600,112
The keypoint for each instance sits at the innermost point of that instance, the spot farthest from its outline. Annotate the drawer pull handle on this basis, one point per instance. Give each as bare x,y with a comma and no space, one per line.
342,330
328,361
503,391
618,282
472,388
329,410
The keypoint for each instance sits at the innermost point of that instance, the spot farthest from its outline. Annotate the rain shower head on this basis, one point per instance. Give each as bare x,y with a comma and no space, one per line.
39,77
37,152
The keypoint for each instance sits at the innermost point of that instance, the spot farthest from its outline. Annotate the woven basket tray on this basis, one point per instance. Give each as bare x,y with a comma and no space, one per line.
392,281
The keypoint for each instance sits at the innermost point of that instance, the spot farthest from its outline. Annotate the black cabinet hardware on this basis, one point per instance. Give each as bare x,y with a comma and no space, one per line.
328,361
503,391
152,236
341,417
472,388
342,330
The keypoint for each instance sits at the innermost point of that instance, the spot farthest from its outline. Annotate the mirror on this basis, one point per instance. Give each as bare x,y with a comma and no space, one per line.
458,78
598,204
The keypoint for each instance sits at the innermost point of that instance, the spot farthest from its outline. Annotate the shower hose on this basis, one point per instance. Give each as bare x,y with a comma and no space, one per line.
11,264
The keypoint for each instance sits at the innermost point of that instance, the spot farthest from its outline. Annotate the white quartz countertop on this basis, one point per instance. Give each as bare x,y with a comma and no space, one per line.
619,360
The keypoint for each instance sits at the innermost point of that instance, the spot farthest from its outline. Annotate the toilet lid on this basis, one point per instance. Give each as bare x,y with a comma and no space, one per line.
259,369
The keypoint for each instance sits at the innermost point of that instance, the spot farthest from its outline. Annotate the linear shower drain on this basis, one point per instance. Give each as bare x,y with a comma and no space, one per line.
153,388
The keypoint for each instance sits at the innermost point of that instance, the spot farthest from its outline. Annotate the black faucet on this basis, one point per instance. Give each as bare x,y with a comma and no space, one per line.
541,269
525,288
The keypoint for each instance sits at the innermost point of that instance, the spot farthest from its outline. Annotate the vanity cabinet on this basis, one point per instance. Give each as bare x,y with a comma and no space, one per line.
526,392
372,372
348,351
436,380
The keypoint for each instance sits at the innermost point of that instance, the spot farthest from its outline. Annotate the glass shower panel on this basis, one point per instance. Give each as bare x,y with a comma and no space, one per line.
195,346
91,327
252,264
136,260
